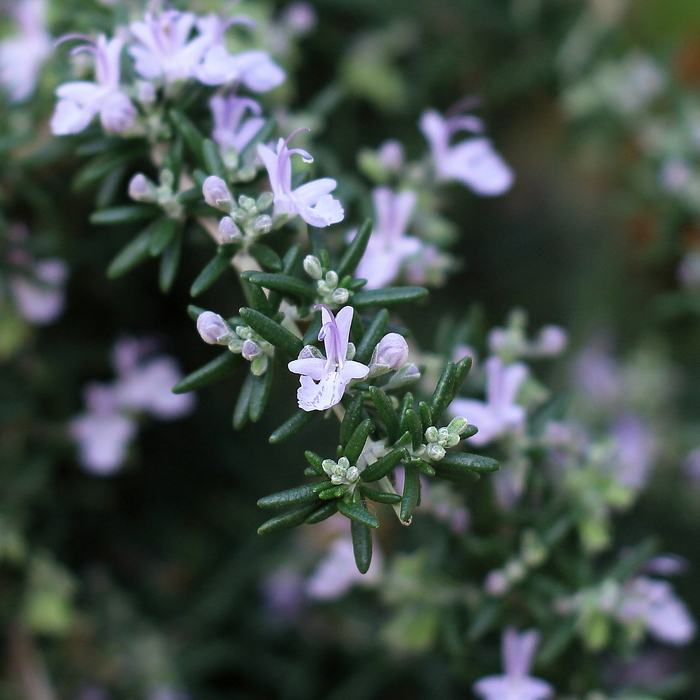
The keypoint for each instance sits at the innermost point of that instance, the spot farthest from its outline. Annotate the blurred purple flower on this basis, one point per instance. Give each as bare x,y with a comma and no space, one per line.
636,449
40,298
232,129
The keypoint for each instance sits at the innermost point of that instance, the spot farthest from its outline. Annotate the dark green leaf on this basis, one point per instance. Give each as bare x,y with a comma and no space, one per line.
212,159
383,466
315,461
373,335
163,231
358,514
352,256
424,467
289,263
426,415
333,492
443,391
284,284
224,365
387,412
389,295
464,460
260,393
457,476
275,334
189,132
357,441
135,252
361,545
462,369
240,413
323,513
287,520
169,263
411,422
265,256
191,196
291,497
351,419
411,493
292,426
379,496
255,297
123,215
213,270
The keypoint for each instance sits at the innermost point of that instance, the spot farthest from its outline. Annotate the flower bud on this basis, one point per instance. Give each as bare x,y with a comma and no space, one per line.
246,203
250,350
212,328
312,267
264,201
352,474
141,189
263,224
228,231
259,365
215,192
431,434
392,351
436,452
458,425
118,113
340,296
332,279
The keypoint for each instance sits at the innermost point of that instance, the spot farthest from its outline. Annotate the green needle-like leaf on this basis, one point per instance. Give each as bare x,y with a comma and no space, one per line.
287,520
212,159
387,296
412,423
123,215
291,497
443,391
383,466
358,514
286,285
217,369
351,419
380,496
163,231
213,270
387,412
260,394
352,256
323,513
189,132
426,415
241,412
466,461
361,545
373,335
292,426
411,493
265,256
275,334
461,371
134,252
169,263
357,441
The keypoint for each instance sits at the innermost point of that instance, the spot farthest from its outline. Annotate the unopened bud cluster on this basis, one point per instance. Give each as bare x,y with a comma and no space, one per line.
439,440
241,340
329,292
143,189
340,472
246,220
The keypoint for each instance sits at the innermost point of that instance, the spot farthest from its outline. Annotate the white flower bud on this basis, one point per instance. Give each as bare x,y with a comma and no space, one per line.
332,279
452,440
215,192
251,350
243,332
352,474
391,351
246,203
350,354
340,296
263,224
336,479
238,215
212,328
458,425
431,434
228,231
328,466
259,365
344,463
142,189
264,201
436,452
312,267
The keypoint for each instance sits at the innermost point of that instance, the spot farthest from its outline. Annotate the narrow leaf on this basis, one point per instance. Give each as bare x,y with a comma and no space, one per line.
333,492
411,493
358,514
389,295
352,256
291,497
361,545
315,461
286,285
311,335
380,496
123,215
189,132
217,369
464,460
426,415
351,419
275,334
355,444
169,263
289,263
457,476
260,393
212,159
323,513
164,229
387,412
287,520
213,270
292,426
135,252
240,413
195,312
462,369
383,466
443,391
373,335
411,422
265,256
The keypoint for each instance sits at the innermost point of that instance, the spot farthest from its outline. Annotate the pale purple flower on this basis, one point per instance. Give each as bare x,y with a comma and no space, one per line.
388,245
22,55
429,265
596,373
635,448
232,128
41,298
103,433
337,572
499,414
391,155
283,592
323,380
473,162
254,69
312,201
516,683
653,604
165,49
391,351
212,327
299,18
80,101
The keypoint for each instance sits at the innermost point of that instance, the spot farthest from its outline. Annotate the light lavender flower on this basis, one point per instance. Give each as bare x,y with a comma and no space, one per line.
254,69
312,201
653,604
41,298
499,414
388,245
80,101
515,683
473,162
165,49
22,55
635,448
103,433
323,380
391,352
391,155
299,18
232,129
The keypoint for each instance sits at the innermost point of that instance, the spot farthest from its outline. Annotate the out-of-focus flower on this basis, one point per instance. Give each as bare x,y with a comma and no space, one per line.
596,373
511,341
103,433
165,49
652,605
499,414
689,269
312,201
337,572
283,593
80,101
22,55
515,683
299,18
473,162
388,245
41,298
391,155
254,69
232,129
635,449
429,265
323,380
